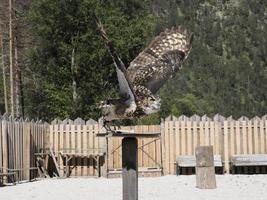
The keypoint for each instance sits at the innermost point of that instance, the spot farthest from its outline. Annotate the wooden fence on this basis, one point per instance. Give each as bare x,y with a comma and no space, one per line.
77,137
19,140
179,136
227,136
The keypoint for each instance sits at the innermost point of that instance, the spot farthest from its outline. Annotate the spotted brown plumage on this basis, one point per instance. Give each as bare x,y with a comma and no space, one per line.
146,74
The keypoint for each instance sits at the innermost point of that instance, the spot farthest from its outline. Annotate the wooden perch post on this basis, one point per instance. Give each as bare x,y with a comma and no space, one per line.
130,168
205,171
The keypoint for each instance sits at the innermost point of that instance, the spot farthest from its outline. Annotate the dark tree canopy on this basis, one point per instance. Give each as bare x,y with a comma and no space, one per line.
68,69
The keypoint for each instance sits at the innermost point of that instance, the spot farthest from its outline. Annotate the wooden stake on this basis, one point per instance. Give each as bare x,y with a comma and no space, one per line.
205,171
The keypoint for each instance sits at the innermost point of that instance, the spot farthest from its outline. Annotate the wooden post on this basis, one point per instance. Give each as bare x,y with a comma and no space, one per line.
26,150
5,144
205,171
130,169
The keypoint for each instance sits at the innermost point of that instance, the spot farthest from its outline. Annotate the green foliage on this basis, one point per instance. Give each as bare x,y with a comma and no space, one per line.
225,70
63,26
225,73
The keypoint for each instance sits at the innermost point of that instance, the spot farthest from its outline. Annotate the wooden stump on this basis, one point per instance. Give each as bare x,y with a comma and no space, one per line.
205,170
130,168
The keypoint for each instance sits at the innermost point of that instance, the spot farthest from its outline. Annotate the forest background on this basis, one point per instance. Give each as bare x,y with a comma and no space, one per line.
54,63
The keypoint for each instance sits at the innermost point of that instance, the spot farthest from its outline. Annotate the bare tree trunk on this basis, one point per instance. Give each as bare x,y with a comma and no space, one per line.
4,73
11,59
18,87
74,83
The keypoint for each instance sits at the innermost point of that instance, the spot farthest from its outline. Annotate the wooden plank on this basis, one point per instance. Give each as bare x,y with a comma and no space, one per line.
26,151
159,148
183,138
52,153
138,129
167,148
16,145
91,145
109,153
195,136
89,130
73,147
256,142
20,151
146,160
67,144
262,137
250,141
249,160
156,147
206,133
96,147
232,137
244,138
84,146
177,138
201,133
61,145
190,161
216,138
151,147
189,137
79,149
172,147
226,147
51,133
212,136
116,147
163,126
238,137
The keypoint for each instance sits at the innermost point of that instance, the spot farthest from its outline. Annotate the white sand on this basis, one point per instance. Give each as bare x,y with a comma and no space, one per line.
243,187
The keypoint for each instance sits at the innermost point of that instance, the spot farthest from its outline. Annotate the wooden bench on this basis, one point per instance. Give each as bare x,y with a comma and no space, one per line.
190,161
247,160
68,153
10,176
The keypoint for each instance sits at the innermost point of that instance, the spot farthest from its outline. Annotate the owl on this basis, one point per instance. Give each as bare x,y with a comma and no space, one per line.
146,74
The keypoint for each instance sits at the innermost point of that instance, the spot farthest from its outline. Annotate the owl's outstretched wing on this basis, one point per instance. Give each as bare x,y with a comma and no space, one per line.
161,59
126,90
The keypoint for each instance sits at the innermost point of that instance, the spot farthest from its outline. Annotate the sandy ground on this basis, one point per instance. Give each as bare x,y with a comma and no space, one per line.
243,187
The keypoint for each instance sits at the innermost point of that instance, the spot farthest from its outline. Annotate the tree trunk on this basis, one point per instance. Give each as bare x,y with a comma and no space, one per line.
18,82
74,83
4,73
11,59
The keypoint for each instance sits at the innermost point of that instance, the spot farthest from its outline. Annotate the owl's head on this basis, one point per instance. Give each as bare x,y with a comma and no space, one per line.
152,106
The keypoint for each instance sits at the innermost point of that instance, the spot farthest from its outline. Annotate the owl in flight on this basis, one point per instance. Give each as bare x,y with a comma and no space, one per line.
139,82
